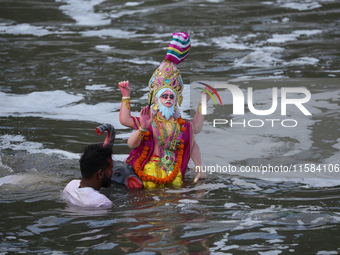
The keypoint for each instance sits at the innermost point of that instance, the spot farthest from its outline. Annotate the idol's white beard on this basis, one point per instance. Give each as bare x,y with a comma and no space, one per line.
167,112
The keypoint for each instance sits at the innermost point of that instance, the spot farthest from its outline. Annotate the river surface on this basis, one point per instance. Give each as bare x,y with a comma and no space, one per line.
60,62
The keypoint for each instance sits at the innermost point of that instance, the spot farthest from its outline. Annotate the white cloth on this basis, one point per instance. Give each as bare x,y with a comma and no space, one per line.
86,197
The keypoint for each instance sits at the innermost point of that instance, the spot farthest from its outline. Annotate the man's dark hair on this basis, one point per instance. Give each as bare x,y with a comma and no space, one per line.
95,157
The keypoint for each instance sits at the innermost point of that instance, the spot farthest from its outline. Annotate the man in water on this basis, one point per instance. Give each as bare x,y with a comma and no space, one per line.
96,170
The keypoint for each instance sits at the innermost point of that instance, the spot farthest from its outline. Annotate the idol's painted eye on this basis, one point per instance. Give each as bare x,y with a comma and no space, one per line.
165,96
118,174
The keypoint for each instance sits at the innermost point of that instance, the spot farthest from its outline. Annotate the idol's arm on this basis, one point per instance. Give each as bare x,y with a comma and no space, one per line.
196,157
199,118
125,113
135,139
145,121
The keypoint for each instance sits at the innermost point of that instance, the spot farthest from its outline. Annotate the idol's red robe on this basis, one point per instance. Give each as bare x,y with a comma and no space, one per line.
187,136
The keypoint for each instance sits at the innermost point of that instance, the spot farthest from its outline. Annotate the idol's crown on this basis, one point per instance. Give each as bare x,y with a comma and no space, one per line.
167,75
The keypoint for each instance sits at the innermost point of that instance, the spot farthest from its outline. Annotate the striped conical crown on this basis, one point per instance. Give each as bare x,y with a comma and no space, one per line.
179,47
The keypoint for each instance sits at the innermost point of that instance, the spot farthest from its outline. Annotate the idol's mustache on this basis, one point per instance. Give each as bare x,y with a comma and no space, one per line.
169,102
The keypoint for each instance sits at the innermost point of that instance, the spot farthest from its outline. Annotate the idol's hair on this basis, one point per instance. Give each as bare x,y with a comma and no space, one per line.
159,93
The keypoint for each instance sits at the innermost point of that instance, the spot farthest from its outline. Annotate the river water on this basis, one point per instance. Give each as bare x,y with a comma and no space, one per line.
60,62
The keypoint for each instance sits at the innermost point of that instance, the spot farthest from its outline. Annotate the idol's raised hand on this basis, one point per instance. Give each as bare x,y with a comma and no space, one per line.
145,117
125,88
208,96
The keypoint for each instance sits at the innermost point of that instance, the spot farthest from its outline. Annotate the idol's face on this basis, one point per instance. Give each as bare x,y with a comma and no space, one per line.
167,98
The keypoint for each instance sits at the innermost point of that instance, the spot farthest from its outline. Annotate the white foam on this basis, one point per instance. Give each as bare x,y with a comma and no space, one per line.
11,179
271,252
250,222
160,35
229,205
275,241
133,3
120,157
196,42
83,12
27,29
103,47
307,32
36,101
326,252
243,183
98,87
270,230
302,5
61,106
219,244
155,41
250,36
229,247
187,201
303,61
18,143
282,38
337,146
118,14
110,32
142,62
263,55
229,42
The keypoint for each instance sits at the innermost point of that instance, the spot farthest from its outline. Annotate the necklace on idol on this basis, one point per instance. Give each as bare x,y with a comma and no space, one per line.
175,147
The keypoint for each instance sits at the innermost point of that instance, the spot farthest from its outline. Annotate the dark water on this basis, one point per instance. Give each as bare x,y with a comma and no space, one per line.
60,62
